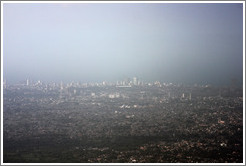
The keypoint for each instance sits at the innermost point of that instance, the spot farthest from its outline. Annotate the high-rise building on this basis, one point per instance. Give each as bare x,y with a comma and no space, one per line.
27,82
135,81
127,81
61,85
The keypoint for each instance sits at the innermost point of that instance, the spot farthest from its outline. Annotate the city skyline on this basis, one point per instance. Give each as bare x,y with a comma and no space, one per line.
186,43
153,123
123,82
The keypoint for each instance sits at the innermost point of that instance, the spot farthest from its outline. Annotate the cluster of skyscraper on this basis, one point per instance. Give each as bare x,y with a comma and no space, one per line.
129,82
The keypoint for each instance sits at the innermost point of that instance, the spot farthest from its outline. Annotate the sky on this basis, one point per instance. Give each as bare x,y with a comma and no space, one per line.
181,43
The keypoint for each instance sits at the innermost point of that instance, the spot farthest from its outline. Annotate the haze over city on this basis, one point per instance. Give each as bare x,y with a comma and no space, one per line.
122,83
186,43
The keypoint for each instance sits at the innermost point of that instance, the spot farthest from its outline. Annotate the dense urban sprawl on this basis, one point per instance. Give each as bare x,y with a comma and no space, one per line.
122,122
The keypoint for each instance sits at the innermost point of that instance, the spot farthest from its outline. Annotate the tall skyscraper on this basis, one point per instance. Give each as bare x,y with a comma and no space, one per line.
135,81
61,86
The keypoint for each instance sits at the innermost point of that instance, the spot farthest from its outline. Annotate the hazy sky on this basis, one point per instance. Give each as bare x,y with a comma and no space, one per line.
186,43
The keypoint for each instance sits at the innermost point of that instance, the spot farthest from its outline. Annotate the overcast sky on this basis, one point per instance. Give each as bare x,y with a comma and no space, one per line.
186,43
